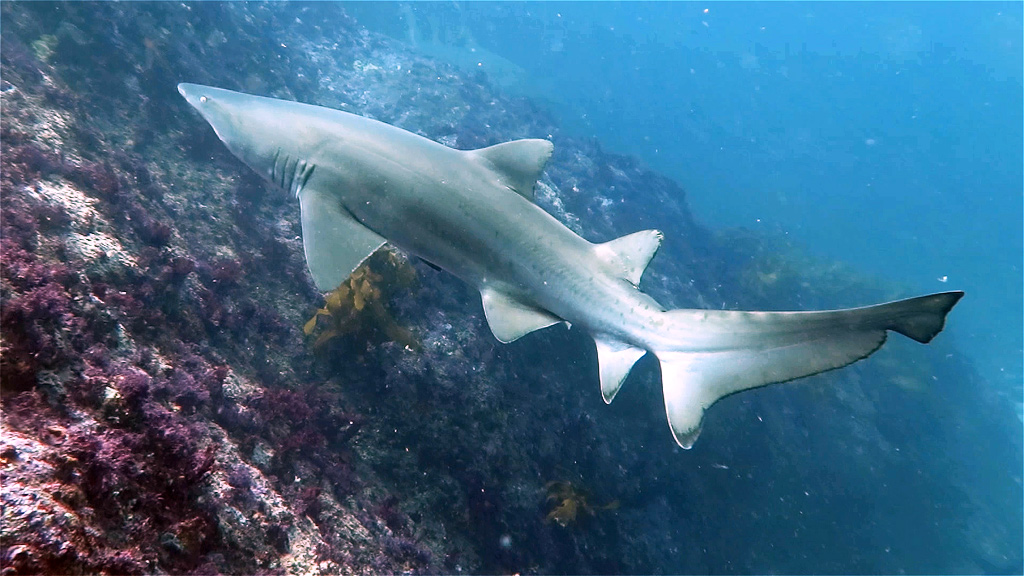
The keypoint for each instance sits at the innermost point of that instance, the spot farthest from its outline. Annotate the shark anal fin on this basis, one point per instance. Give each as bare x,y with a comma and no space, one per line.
335,243
615,359
511,319
629,255
519,162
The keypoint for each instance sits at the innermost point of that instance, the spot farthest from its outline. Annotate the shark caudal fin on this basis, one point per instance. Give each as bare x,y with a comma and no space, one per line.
726,352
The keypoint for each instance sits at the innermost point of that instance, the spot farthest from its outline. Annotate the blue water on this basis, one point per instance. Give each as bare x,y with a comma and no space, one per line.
883,135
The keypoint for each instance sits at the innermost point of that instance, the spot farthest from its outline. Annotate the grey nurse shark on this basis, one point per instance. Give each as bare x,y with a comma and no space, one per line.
361,183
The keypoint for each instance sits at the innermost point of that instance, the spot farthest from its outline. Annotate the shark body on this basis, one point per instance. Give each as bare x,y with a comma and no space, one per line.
361,183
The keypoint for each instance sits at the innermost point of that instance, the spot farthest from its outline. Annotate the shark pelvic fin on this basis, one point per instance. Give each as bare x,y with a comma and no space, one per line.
511,319
335,243
615,359
519,162
630,255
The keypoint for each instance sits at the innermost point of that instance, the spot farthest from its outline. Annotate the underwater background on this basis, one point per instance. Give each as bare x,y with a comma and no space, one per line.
177,397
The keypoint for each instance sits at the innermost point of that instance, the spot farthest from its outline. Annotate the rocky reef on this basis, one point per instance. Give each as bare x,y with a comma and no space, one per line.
169,408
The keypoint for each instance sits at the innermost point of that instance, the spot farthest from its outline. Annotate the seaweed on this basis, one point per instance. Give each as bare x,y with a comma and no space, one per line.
358,306
571,503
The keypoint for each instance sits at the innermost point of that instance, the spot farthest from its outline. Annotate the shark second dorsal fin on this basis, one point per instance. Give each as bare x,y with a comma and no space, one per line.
334,242
630,255
519,162
511,319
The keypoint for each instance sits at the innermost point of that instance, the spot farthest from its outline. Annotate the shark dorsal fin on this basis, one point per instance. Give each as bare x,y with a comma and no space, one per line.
630,255
519,162
511,319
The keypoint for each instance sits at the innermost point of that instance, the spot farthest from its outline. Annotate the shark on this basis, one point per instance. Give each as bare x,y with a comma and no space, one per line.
361,183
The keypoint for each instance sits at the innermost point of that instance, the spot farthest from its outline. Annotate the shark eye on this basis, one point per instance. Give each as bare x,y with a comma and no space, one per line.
202,98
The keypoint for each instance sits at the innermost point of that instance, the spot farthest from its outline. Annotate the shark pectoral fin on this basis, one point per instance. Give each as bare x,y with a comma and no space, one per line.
519,162
615,359
511,319
629,256
334,242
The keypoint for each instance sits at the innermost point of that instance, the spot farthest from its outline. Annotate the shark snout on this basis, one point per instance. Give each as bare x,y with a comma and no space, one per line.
217,106
220,110
193,94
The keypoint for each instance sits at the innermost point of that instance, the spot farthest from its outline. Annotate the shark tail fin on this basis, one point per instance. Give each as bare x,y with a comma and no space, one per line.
726,352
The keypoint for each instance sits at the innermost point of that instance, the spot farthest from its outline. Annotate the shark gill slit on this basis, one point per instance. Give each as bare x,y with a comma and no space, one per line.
303,170
273,165
289,173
